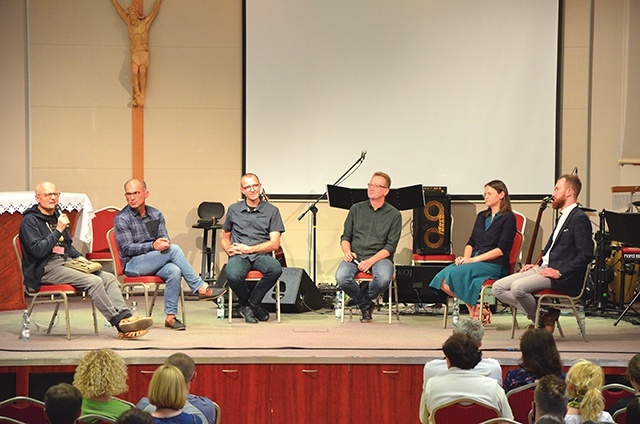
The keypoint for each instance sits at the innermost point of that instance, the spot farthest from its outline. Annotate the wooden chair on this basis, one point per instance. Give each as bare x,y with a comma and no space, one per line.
620,416
23,409
464,411
57,294
363,277
254,276
100,224
614,392
559,300
142,281
520,400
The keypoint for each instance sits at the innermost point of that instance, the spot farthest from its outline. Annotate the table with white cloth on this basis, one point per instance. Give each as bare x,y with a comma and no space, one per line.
13,204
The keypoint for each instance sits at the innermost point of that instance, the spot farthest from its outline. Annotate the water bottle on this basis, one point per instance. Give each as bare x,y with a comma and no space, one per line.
455,317
337,304
24,334
134,307
107,324
581,320
220,303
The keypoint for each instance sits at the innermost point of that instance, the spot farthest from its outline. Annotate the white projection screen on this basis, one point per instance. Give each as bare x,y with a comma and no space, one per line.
437,92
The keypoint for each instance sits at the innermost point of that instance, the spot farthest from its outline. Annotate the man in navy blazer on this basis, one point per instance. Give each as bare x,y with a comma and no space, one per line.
564,259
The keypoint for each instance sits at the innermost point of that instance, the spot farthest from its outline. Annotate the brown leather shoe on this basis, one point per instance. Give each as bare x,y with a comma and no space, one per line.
549,319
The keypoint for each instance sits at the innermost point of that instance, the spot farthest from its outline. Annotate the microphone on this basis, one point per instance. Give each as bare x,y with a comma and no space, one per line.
363,154
58,212
548,199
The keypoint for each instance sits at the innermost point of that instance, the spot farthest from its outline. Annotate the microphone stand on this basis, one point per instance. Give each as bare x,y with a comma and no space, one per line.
314,211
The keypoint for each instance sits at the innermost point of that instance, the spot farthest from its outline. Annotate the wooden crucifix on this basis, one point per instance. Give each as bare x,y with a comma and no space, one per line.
138,25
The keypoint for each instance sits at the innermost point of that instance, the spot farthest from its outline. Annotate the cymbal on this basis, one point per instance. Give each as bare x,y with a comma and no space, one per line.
586,209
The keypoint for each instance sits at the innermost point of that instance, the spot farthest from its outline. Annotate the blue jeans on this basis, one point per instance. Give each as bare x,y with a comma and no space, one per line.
237,269
170,265
382,273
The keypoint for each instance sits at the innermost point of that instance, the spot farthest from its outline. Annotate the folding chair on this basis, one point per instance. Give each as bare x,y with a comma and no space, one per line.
520,400
254,276
363,277
614,392
464,411
23,409
100,224
57,294
95,419
142,281
620,416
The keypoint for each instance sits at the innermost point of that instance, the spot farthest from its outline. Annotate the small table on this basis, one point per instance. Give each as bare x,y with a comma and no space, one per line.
12,205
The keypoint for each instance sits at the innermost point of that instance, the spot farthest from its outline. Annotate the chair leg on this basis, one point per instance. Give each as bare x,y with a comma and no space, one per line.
278,300
95,317
446,313
344,300
397,301
184,310
514,321
230,305
66,316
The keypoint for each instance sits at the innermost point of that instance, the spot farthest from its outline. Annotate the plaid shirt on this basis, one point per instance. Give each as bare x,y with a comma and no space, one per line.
133,232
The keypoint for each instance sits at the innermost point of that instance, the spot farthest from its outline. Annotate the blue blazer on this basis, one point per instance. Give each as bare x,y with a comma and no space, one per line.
571,253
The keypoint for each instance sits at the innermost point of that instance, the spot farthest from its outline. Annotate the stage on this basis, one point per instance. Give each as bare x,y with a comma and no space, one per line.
310,337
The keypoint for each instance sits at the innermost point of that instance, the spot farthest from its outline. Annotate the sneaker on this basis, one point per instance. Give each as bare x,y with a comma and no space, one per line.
366,313
247,314
132,334
175,325
259,312
134,323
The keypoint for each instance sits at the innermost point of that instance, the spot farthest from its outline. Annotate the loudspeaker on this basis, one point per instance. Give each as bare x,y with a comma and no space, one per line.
413,283
297,292
432,225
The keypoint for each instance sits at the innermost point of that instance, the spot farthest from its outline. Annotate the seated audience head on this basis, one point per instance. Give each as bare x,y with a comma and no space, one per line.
101,372
167,388
633,371
135,416
62,404
633,410
584,381
185,364
461,351
540,355
472,328
500,188
550,397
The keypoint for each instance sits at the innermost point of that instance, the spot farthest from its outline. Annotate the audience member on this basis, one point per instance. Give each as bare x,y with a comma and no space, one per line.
145,249
168,393
101,375
368,242
486,254
47,246
62,404
550,399
196,405
134,416
461,381
540,357
564,261
250,234
633,410
586,402
633,371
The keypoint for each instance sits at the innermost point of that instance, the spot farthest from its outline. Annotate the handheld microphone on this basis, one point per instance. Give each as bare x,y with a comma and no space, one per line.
58,212
363,154
548,199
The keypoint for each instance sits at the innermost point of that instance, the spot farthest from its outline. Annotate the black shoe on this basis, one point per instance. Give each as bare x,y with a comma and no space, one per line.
212,293
350,303
366,313
176,325
259,312
248,315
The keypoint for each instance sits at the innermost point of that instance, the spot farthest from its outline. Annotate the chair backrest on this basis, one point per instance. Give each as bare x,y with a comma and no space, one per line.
23,409
115,253
614,392
464,411
516,248
100,224
216,407
7,420
520,400
521,221
501,421
17,248
95,419
620,416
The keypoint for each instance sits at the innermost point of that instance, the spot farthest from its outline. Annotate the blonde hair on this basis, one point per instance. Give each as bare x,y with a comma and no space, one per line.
586,379
167,388
101,372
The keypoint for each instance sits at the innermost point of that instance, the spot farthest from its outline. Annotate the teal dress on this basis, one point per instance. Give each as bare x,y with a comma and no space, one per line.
466,280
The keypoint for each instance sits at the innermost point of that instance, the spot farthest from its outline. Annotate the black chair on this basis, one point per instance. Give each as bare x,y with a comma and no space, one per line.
209,213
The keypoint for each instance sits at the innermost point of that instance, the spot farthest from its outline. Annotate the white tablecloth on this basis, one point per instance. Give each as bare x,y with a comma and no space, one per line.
20,201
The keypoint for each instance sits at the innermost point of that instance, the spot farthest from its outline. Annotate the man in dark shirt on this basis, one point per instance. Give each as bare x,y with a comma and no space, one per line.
369,241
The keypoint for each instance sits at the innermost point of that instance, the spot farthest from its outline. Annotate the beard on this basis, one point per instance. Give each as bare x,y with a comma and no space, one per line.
558,204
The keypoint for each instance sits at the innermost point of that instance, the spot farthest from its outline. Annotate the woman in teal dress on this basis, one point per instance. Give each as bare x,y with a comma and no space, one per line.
486,254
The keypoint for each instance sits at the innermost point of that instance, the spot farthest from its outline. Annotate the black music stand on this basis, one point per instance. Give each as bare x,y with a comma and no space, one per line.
624,228
403,198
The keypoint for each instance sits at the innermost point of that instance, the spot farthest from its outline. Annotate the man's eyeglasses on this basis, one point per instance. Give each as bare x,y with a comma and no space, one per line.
376,186
251,187
49,195
132,194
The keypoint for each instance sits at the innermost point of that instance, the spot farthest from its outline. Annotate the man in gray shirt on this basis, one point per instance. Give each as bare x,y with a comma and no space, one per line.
369,241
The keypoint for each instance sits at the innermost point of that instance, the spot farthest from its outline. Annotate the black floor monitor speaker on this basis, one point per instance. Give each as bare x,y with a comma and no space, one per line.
297,292
413,283
432,225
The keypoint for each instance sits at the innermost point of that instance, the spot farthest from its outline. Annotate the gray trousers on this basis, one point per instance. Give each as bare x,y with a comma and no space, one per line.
515,290
102,287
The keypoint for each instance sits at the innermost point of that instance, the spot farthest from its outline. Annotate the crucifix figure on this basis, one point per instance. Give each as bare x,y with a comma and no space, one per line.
138,25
